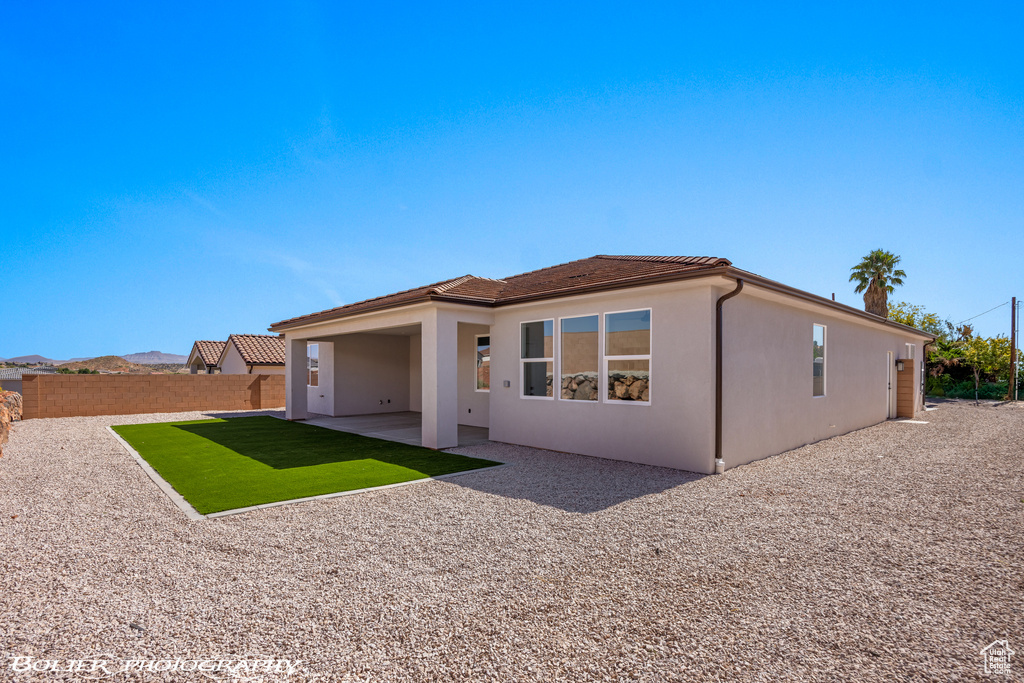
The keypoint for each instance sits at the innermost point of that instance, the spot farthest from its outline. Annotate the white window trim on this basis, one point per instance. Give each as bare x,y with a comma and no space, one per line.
309,372
555,349
600,350
911,351
824,364
476,347
605,358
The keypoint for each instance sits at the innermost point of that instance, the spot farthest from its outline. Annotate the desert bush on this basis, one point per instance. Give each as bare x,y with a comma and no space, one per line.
940,385
993,391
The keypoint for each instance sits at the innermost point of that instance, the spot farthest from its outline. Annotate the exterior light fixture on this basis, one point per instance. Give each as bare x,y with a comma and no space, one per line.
899,366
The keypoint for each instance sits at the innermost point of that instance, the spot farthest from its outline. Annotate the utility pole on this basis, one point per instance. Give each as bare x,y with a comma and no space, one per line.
1013,348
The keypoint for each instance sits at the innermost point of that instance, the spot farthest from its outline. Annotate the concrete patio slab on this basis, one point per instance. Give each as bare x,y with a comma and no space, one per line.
401,427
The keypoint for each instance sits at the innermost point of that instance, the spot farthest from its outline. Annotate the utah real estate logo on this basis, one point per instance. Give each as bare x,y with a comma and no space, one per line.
997,657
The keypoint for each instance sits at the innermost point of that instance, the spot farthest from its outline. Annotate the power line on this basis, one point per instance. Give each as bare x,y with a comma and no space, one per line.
981,314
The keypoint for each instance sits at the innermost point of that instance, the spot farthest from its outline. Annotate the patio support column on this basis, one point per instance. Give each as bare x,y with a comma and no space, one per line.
295,391
440,380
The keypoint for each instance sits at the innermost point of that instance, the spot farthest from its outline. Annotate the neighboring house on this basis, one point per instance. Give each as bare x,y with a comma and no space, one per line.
259,354
611,356
10,378
204,356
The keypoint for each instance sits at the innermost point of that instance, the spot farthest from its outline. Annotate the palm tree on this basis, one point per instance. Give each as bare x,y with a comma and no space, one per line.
876,275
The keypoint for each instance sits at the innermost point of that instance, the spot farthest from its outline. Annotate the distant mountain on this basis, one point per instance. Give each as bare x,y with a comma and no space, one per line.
155,358
147,358
29,359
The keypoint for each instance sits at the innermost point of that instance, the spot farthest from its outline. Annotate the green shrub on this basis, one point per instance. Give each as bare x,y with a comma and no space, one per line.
80,371
992,391
939,386
964,389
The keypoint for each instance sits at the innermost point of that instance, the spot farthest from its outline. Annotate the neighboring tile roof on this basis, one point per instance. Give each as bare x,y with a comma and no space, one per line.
16,373
596,272
259,349
209,351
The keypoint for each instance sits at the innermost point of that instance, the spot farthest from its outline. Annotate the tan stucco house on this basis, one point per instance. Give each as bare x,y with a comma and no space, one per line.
202,360
248,354
665,360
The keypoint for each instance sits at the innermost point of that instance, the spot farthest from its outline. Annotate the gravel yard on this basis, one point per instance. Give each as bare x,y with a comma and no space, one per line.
893,553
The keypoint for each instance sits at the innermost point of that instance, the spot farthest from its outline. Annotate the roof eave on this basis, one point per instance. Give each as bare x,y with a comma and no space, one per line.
315,319
765,283
223,352
302,321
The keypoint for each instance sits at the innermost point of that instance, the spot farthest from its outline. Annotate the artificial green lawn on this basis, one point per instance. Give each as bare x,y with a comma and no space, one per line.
225,464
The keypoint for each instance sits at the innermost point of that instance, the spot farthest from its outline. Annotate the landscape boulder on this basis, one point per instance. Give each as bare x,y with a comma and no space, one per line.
10,410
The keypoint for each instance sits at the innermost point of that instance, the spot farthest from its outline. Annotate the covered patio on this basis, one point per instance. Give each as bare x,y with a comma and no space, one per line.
401,427
407,375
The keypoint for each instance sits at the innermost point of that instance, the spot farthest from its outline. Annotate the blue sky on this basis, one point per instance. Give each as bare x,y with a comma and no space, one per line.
179,171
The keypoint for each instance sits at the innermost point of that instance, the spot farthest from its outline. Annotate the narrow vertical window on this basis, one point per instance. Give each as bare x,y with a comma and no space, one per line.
627,355
910,351
580,359
483,362
537,357
313,364
819,361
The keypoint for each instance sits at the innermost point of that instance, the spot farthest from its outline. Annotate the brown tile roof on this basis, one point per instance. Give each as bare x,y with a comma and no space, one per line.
259,349
575,277
209,351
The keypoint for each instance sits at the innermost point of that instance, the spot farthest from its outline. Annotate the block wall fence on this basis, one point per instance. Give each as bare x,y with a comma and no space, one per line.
83,395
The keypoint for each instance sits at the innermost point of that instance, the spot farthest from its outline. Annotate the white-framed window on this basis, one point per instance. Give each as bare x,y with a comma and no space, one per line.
818,368
313,365
627,356
482,377
579,358
910,351
537,358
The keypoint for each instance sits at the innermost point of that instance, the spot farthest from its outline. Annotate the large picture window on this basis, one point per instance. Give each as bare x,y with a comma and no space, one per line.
627,355
579,358
819,361
483,362
537,358
313,365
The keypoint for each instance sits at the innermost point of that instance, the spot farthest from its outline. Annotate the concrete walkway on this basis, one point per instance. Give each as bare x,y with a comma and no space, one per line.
400,427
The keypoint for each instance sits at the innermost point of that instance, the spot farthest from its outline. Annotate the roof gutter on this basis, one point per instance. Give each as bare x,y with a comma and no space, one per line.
719,462
778,287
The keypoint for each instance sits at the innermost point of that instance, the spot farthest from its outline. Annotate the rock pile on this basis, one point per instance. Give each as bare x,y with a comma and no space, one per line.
628,385
10,410
582,386
631,385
